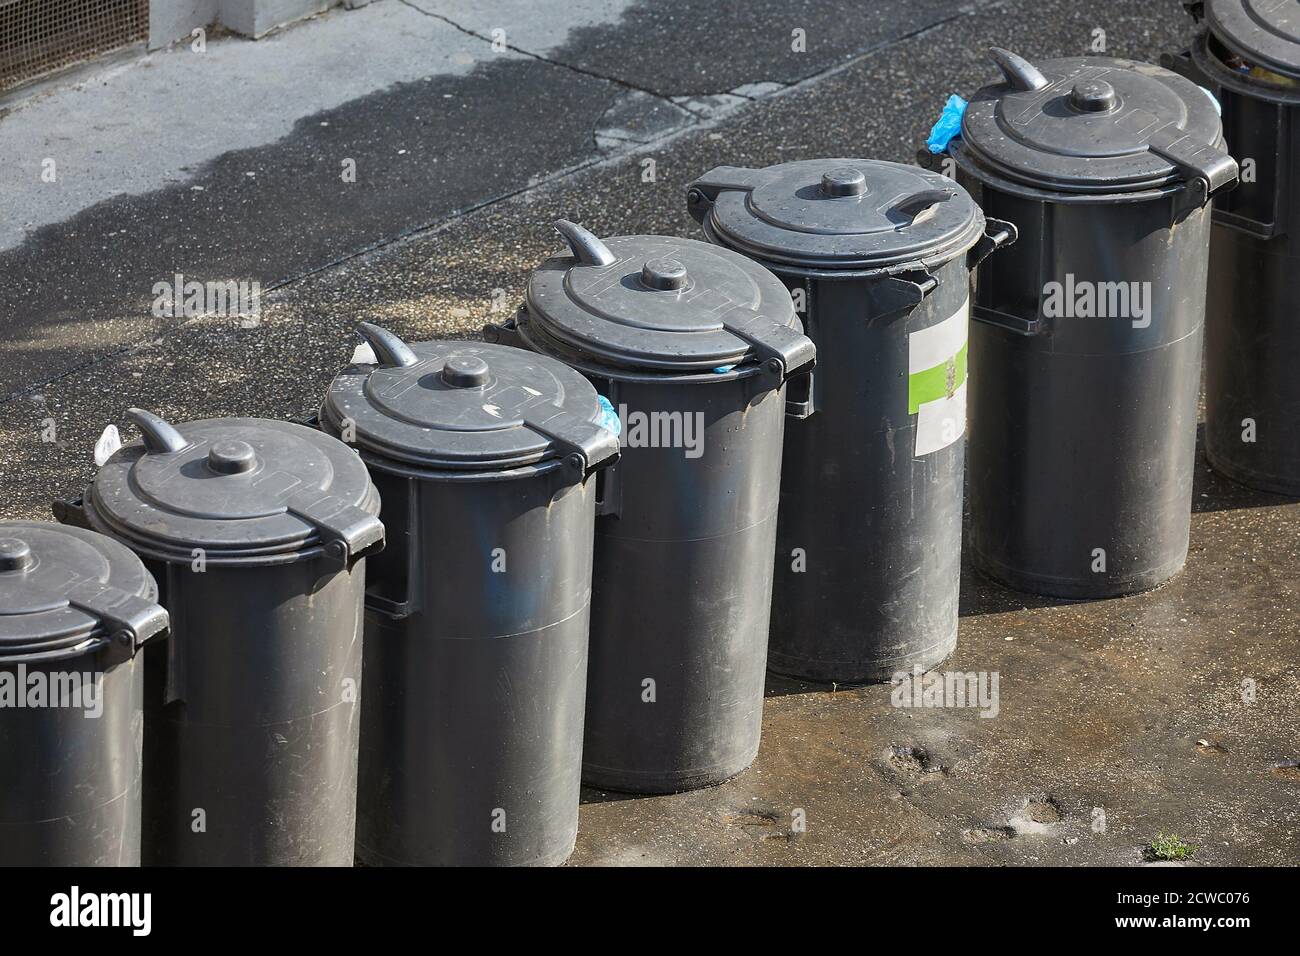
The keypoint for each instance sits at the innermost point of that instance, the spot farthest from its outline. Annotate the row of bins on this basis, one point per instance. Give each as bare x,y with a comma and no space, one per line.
574,578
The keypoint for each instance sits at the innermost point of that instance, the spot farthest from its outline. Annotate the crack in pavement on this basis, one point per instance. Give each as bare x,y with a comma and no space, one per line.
537,56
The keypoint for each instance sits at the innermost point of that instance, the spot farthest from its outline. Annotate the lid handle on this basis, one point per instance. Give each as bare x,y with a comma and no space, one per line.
780,349
346,531
160,438
586,445
391,351
1208,169
1019,72
916,205
703,193
128,619
585,246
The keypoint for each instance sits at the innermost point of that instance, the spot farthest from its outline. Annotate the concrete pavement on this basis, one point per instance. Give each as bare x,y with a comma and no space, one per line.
265,161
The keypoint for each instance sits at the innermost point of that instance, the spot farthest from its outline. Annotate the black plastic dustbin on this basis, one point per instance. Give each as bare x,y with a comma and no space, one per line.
878,255
693,346
1248,52
257,532
487,458
1086,347
75,610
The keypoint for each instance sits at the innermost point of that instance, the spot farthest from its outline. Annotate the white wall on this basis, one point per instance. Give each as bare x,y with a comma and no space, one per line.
172,20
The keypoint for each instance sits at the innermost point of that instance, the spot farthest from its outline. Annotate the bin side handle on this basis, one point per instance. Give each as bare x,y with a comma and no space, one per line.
902,292
608,492
70,511
1003,320
1281,170
389,607
1244,224
609,481
397,610
1182,64
130,620
799,396
703,193
506,333
997,233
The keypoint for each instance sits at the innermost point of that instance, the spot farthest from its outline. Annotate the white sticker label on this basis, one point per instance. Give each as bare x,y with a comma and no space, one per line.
936,392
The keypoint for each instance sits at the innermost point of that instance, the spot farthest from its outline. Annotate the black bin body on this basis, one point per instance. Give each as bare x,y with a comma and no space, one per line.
878,255
1085,352
1249,54
477,621
257,532
699,534
75,610
692,346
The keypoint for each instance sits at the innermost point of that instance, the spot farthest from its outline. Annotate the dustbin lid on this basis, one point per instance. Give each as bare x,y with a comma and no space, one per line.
466,405
1094,124
662,303
240,489
837,213
1264,32
65,589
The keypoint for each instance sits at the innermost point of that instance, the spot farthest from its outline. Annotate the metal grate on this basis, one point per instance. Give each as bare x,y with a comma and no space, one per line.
40,36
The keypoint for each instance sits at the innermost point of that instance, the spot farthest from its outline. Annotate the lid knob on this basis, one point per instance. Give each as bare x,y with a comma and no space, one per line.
844,181
15,555
665,274
465,371
231,457
1093,96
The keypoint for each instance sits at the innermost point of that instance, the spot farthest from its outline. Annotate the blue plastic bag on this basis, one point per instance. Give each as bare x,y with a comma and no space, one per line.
608,417
948,126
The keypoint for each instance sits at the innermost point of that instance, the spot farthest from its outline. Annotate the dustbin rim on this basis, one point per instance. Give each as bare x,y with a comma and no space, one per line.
727,212
1217,24
1217,72
795,268
1013,187
534,334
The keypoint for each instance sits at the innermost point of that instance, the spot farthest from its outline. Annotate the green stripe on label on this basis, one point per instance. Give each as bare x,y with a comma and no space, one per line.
939,381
